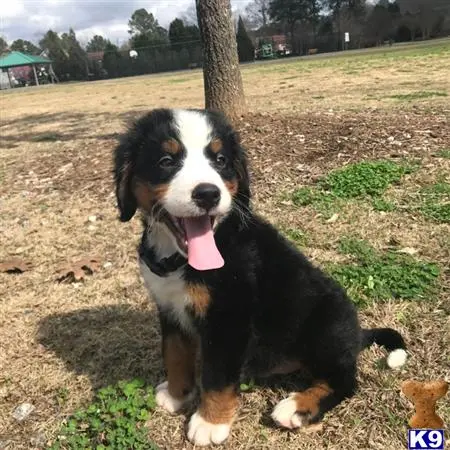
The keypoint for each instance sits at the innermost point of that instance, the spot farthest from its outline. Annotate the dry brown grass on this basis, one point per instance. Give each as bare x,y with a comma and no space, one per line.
55,167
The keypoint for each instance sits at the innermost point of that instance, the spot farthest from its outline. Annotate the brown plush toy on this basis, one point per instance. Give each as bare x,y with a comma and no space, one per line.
424,396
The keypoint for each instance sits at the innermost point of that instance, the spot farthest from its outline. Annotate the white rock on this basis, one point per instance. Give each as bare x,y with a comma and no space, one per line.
23,411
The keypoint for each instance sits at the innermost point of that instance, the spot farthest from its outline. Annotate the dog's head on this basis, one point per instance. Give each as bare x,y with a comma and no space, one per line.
180,167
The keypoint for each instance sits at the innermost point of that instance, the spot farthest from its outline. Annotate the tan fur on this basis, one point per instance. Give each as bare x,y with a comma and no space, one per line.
200,298
216,145
147,195
232,186
171,146
309,401
179,360
219,407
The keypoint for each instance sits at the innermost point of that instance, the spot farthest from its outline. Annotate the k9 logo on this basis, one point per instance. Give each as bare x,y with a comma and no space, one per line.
426,440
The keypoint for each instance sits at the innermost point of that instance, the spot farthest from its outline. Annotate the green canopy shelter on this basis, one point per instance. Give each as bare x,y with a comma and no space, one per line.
18,59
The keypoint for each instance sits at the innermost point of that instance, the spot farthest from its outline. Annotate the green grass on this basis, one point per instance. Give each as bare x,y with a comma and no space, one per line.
46,137
115,421
323,202
436,202
418,95
381,204
381,276
444,153
367,179
296,236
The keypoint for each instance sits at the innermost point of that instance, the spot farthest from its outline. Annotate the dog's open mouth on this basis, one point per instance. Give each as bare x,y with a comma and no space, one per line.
195,236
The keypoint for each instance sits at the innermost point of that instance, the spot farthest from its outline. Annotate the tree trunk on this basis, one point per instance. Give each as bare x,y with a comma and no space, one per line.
221,74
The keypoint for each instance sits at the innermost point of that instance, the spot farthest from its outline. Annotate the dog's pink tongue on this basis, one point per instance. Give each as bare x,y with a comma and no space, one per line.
202,250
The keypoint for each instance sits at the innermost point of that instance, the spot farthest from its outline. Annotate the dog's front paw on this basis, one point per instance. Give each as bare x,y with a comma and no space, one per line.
201,432
167,401
286,415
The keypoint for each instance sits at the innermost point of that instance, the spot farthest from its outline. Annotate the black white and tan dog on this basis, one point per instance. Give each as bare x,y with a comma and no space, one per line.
229,288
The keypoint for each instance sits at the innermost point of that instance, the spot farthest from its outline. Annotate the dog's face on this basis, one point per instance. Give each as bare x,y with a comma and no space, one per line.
181,167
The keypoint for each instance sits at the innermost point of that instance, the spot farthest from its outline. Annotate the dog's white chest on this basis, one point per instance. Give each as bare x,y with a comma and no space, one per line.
170,294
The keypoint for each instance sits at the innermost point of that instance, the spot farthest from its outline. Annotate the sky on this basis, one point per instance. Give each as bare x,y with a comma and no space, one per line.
30,19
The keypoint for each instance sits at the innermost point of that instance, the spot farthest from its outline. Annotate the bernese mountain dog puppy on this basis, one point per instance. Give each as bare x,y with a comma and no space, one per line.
233,295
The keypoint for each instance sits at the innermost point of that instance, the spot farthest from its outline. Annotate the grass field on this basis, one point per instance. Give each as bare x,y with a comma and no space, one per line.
350,157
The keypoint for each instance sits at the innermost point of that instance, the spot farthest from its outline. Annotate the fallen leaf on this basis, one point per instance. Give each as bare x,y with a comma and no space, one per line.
333,218
77,270
15,265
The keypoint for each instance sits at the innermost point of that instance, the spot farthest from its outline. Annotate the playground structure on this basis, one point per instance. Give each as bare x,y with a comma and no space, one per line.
271,47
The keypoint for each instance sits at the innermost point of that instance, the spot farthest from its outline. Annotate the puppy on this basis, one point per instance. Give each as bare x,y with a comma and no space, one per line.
229,288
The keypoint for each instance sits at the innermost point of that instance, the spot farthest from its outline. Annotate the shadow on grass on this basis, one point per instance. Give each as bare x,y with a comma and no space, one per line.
71,126
107,344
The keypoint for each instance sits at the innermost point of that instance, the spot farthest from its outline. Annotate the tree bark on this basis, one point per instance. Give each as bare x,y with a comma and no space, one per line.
221,74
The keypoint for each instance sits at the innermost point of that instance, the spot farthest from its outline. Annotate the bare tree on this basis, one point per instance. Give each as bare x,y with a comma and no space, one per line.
221,74
257,12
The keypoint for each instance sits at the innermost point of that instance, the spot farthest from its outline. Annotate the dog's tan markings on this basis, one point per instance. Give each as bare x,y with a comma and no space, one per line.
200,297
171,146
219,406
159,191
147,195
179,360
308,402
232,186
216,145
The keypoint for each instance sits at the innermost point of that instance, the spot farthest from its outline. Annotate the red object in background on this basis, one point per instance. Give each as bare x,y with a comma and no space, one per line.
22,72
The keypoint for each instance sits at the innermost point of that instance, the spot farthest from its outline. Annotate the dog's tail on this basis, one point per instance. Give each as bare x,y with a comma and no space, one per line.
391,340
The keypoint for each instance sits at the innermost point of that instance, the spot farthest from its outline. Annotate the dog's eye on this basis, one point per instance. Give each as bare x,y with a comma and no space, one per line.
221,160
166,162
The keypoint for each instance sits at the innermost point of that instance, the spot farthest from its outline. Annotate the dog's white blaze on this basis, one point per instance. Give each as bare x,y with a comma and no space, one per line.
195,132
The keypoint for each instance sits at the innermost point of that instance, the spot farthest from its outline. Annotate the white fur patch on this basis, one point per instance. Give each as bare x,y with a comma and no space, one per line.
195,132
169,403
397,358
285,413
202,433
170,294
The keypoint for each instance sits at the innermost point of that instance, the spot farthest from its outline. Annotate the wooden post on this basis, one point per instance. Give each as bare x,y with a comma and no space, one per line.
35,75
9,78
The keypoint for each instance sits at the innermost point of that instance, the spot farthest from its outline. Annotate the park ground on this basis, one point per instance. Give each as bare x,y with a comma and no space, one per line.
350,157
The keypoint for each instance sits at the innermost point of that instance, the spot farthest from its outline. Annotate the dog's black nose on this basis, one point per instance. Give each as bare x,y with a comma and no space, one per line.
206,195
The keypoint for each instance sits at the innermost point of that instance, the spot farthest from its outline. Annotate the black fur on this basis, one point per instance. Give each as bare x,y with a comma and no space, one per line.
269,304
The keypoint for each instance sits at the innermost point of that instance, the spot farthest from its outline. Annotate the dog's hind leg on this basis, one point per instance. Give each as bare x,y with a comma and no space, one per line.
309,406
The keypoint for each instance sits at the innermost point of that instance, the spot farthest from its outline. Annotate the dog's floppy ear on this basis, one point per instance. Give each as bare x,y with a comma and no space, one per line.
123,174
